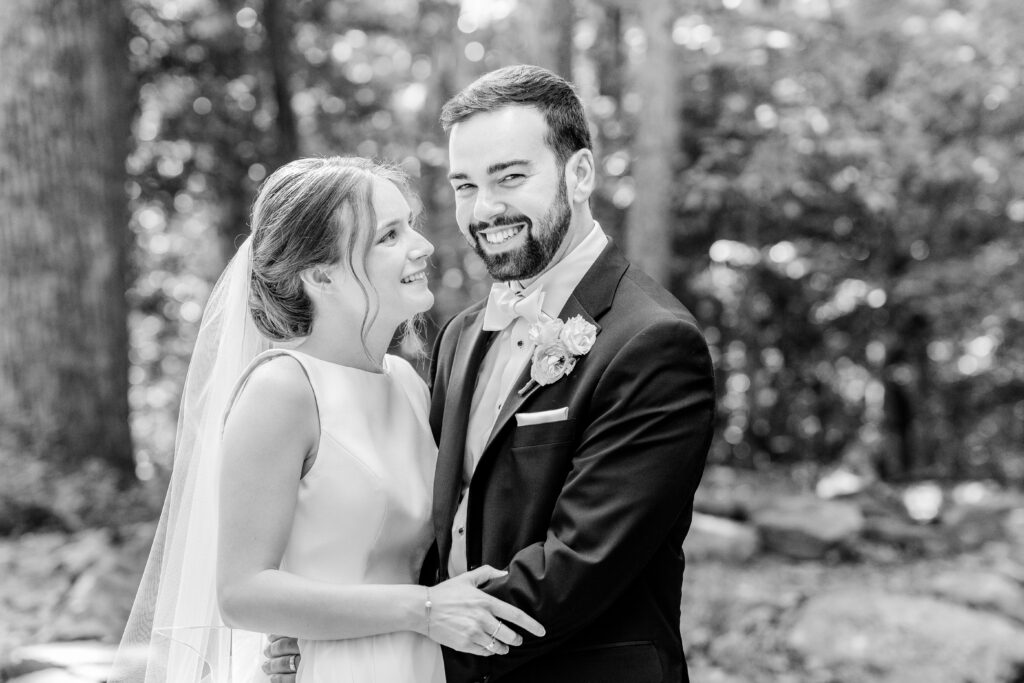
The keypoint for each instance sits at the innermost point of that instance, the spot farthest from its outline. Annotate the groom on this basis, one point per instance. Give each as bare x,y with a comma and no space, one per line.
570,459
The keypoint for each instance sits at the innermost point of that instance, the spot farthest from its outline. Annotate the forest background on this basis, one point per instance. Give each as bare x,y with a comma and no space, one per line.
834,187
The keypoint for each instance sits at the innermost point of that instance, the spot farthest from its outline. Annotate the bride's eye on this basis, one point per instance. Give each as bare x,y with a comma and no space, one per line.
388,237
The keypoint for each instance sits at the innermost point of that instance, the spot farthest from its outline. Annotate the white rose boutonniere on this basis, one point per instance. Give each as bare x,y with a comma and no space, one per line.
557,346
578,335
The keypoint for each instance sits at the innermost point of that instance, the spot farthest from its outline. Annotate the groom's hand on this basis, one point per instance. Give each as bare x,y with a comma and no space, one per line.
282,661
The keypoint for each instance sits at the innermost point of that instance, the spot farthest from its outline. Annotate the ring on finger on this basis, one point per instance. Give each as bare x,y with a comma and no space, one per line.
490,646
496,629
291,664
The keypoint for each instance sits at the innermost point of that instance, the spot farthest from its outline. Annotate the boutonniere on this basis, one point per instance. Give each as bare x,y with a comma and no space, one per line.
557,346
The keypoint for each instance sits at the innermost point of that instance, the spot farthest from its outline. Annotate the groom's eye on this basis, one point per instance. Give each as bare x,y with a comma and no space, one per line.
512,178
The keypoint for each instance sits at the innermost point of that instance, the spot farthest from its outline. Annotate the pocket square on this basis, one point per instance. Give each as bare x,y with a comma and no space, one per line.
556,415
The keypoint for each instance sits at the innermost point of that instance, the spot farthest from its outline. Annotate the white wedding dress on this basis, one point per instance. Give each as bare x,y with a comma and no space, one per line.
363,510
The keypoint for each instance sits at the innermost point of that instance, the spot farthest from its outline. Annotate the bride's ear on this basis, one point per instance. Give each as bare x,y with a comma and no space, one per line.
315,278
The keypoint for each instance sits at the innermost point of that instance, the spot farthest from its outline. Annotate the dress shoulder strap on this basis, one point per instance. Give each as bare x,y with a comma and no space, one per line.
260,360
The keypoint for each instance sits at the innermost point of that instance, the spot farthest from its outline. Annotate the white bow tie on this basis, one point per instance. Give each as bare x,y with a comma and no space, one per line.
505,304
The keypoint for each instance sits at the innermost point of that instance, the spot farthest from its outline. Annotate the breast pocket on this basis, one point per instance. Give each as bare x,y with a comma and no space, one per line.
545,434
539,462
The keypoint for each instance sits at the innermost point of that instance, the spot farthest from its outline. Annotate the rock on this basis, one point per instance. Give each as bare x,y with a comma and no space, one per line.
841,482
984,590
1011,570
59,662
723,493
730,646
97,604
1013,528
924,501
971,525
917,539
710,674
805,527
84,549
862,636
38,554
878,499
719,539
55,676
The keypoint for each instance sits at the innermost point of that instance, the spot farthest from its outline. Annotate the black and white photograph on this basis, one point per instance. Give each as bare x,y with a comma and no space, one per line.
511,341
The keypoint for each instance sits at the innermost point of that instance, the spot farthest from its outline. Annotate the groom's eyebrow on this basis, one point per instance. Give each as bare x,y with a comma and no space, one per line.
502,165
492,169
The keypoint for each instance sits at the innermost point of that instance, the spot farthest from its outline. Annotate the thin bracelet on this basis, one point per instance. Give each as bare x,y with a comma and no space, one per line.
426,609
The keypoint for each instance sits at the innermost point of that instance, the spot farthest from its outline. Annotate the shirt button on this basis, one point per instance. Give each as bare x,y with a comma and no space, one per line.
461,530
519,343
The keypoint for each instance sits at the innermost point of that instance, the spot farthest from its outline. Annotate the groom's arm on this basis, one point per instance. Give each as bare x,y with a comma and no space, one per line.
636,468
437,378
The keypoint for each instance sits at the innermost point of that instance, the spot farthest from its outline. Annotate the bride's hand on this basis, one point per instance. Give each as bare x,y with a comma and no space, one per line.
465,618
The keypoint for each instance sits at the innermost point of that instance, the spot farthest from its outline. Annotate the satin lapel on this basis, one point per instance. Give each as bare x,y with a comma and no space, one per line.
469,354
591,298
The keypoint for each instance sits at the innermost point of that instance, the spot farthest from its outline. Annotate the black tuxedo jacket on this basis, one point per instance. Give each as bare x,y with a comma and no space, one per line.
588,514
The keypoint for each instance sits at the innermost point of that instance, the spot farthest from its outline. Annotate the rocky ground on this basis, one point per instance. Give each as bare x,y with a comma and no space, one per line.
782,586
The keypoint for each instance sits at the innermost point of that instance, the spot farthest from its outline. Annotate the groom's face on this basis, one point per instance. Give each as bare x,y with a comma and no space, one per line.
510,192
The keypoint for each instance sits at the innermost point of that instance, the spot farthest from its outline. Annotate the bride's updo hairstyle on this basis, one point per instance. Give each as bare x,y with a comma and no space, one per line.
312,212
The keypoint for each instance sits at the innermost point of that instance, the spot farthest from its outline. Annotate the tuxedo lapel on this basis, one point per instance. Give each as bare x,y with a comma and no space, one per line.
469,354
590,300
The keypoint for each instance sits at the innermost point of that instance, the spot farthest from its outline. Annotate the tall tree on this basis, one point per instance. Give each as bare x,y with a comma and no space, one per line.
64,127
278,29
434,27
548,34
649,222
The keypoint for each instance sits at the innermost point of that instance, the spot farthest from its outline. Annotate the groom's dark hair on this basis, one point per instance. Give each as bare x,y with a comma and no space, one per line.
526,85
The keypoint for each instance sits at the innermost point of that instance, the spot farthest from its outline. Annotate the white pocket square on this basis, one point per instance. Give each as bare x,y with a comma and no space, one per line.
524,419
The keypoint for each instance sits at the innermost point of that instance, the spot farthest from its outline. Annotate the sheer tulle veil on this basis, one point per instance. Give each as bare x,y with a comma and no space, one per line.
175,632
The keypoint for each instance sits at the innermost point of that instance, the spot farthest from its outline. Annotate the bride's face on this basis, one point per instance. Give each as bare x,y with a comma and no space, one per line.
396,265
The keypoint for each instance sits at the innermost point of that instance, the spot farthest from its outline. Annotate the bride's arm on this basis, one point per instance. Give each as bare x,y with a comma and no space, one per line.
270,430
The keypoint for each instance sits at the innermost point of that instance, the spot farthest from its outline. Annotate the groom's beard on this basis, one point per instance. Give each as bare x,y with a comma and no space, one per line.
539,248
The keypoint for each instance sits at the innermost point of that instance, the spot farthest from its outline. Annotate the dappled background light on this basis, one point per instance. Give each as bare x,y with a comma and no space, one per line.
847,209
835,188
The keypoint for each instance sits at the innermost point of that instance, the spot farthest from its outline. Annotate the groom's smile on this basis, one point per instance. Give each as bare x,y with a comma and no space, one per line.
500,237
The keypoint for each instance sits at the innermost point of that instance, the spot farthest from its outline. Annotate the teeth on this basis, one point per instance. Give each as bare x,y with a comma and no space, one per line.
422,275
500,236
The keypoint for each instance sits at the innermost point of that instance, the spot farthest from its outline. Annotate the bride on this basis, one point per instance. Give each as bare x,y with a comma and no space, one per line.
300,496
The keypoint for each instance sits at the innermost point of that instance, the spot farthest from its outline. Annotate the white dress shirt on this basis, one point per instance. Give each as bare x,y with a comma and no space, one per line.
504,362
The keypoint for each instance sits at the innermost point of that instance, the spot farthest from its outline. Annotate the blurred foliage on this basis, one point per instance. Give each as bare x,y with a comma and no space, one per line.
850,206
857,168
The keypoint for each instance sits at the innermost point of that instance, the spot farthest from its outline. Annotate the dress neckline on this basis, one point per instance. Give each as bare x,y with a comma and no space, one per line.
384,372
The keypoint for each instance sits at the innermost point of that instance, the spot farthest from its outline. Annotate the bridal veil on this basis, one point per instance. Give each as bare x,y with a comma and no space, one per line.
175,633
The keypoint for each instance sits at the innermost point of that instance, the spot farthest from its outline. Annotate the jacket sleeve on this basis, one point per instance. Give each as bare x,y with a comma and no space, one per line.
437,382
636,467
437,378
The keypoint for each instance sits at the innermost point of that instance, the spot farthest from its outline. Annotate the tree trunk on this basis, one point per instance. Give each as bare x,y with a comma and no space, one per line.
64,130
547,35
279,37
607,59
649,222
436,18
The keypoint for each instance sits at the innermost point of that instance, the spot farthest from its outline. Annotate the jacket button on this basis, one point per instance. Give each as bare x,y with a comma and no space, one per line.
471,568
